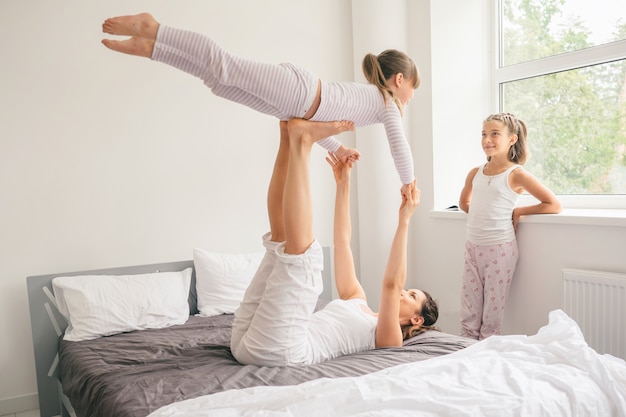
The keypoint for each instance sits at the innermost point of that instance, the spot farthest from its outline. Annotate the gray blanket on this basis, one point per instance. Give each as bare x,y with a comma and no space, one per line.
133,374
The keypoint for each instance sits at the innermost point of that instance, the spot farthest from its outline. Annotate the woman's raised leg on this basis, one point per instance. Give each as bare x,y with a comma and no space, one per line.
245,313
297,206
277,332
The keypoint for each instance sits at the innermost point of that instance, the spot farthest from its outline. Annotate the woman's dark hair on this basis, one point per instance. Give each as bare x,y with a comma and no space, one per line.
430,313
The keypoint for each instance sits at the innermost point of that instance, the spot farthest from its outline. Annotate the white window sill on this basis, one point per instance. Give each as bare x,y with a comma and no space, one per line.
592,217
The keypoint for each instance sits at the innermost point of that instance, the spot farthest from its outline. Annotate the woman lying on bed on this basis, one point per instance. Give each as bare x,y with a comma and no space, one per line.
275,324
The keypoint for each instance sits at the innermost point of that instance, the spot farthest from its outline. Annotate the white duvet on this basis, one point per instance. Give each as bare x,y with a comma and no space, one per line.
553,373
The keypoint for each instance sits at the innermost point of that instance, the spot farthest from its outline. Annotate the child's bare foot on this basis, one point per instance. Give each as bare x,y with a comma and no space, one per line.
132,46
313,131
140,25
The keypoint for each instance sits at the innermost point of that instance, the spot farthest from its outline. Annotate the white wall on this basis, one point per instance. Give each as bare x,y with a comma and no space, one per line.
109,160
449,39
547,248
378,183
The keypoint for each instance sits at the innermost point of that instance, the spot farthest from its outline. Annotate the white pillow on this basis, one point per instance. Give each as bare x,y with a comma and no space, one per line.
222,279
102,305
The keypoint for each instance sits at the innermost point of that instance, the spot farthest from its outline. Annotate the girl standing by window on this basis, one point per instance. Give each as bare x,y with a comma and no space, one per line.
489,197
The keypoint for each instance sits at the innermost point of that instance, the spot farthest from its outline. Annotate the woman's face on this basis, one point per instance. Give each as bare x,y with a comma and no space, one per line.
411,302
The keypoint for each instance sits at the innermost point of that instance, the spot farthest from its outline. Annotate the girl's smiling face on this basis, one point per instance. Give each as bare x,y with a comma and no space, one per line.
496,138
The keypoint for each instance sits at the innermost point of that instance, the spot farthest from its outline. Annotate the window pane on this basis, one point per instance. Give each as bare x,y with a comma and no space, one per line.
576,127
533,29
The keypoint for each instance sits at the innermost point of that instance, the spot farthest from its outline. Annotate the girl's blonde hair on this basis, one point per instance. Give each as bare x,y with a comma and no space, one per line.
517,152
380,68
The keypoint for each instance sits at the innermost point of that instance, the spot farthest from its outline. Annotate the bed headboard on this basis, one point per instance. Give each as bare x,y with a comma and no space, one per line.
47,324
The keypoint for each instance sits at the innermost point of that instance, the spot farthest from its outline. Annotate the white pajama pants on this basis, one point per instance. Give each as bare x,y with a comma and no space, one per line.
271,324
486,283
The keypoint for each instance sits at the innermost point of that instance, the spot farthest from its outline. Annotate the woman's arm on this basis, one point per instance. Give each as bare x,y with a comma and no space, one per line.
388,330
348,286
332,145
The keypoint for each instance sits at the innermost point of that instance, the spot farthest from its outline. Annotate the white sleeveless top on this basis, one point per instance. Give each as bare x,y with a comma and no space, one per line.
341,328
490,217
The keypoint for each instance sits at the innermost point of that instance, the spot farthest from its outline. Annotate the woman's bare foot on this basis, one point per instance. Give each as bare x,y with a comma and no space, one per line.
133,46
141,25
311,132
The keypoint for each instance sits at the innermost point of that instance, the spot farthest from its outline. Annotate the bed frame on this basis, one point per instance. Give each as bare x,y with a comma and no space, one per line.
48,325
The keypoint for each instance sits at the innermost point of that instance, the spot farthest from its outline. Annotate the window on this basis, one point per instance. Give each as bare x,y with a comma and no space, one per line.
562,69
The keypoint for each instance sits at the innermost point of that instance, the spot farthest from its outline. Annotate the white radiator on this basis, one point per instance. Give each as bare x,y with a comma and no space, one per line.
597,302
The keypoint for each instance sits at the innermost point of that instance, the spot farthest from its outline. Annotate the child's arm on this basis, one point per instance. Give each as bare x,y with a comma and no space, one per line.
522,180
388,330
345,154
466,192
348,286
332,145
398,144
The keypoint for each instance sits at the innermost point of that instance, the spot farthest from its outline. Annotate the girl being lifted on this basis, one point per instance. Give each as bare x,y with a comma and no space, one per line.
284,91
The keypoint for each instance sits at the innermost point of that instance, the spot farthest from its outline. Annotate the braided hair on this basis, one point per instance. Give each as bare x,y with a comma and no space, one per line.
517,152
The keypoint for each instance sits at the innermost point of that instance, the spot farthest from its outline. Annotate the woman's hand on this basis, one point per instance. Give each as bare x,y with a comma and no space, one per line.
341,169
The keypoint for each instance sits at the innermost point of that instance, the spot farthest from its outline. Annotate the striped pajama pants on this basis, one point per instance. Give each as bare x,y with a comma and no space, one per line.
284,91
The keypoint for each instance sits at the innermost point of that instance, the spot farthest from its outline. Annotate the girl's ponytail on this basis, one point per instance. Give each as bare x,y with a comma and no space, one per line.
380,68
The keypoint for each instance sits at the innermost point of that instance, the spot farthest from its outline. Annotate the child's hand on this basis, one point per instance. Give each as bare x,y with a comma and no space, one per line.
410,201
344,154
516,216
406,188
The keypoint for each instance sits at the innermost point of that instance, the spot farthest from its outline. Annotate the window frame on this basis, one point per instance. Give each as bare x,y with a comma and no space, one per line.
593,55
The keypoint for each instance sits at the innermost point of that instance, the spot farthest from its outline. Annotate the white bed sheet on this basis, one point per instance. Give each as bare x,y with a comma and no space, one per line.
552,373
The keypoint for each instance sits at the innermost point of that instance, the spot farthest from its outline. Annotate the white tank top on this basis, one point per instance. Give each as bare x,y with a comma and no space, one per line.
341,328
490,217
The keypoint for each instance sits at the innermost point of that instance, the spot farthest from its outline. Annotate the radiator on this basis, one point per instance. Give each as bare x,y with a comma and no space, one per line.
597,302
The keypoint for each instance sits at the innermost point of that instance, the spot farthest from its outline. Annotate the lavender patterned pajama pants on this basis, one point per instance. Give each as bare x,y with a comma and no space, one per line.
486,282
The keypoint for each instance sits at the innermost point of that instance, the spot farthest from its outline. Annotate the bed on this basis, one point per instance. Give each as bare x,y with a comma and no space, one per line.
136,372
552,373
